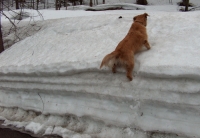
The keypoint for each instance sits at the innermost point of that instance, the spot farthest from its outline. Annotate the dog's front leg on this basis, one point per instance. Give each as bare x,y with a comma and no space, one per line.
146,43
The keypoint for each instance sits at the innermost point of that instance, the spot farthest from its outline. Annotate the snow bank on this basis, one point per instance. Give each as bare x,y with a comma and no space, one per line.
116,6
50,83
174,2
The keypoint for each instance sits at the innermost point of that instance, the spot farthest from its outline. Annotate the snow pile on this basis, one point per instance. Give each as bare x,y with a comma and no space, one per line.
150,2
116,6
50,83
164,2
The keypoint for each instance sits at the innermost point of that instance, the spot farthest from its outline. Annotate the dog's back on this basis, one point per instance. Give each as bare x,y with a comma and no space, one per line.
134,39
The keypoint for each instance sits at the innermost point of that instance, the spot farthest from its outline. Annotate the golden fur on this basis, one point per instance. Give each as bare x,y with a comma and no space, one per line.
123,55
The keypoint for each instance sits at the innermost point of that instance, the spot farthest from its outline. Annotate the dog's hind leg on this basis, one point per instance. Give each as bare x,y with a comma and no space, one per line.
129,70
146,43
114,68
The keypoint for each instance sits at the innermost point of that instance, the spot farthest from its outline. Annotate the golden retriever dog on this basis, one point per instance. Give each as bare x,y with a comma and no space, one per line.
123,55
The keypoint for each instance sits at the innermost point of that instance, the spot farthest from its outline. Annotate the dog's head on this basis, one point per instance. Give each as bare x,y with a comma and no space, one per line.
142,18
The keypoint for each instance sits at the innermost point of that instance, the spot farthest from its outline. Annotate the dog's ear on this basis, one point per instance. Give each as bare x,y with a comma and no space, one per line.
145,14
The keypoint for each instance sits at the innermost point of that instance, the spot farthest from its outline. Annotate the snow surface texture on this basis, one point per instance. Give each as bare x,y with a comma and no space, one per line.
32,23
50,83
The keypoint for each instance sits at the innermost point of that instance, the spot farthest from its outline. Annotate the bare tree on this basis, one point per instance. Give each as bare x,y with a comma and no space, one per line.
37,4
66,2
17,4
81,2
12,3
1,38
74,2
186,4
45,4
91,4
1,6
8,4
13,32
58,4
33,4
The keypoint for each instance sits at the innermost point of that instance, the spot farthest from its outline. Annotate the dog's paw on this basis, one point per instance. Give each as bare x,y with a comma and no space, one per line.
113,71
130,78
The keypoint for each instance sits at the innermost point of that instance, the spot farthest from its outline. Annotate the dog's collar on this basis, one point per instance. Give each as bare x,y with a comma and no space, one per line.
139,22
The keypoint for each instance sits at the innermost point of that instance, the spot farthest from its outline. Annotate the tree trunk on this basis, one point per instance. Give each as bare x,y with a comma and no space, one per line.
186,5
9,5
56,4
12,3
33,4
1,42
37,4
74,3
1,5
91,4
59,4
1,38
1,8
17,4
66,1
46,4
81,2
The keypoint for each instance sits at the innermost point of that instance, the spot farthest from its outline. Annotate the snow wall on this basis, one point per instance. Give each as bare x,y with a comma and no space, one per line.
50,83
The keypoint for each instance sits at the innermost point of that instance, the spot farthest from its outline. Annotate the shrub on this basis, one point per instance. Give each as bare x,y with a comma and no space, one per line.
183,3
142,2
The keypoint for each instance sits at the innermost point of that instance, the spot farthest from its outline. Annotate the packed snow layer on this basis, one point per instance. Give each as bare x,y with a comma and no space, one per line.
50,83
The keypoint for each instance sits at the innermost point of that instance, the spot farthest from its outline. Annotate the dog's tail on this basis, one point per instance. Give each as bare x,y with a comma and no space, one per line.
110,59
